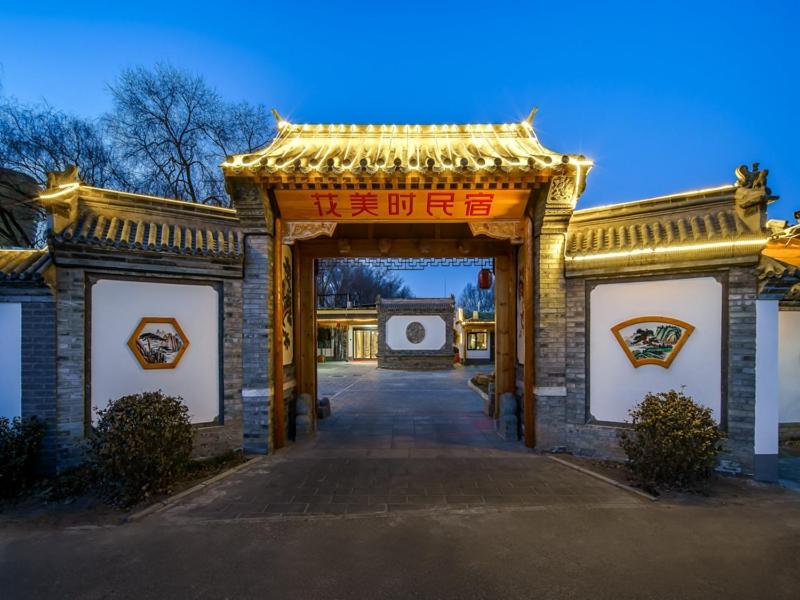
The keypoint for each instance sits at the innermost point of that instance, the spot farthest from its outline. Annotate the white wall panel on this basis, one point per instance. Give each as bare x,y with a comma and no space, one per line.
11,360
435,332
117,307
615,384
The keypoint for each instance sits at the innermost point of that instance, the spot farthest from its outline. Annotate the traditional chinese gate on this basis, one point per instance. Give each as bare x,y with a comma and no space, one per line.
389,191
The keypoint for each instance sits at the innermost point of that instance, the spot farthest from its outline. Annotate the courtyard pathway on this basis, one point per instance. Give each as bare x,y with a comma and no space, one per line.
398,441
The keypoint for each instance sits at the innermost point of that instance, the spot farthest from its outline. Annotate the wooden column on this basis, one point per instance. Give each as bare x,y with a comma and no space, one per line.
505,325
279,430
528,398
305,349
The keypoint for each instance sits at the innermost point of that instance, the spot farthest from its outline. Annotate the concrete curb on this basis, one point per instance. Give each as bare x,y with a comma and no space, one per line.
613,482
166,503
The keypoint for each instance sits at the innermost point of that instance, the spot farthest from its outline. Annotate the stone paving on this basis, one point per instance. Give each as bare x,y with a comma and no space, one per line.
398,441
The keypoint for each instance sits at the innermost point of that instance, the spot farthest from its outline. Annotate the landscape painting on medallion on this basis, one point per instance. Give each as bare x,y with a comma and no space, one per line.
652,340
158,343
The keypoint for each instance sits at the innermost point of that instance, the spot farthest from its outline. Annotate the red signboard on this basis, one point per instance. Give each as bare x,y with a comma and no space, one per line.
401,205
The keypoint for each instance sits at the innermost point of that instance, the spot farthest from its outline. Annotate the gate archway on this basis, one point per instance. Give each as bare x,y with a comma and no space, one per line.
412,192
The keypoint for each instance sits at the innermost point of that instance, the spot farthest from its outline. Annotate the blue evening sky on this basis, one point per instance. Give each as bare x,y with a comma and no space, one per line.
665,96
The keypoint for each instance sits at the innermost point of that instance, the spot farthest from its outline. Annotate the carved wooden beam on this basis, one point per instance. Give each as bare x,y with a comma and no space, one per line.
501,230
302,230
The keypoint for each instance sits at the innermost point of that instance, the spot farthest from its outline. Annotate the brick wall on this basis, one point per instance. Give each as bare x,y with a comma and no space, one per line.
38,361
742,293
257,223
257,338
602,440
70,352
550,220
419,360
71,401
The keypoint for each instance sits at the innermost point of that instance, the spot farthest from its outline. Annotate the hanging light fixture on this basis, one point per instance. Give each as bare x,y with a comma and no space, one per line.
485,278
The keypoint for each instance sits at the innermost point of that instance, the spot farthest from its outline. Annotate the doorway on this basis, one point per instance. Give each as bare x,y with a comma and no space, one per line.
365,344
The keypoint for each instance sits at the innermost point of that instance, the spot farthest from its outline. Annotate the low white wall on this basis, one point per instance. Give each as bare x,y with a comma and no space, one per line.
11,360
789,366
118,306
479,354
435,332
615,385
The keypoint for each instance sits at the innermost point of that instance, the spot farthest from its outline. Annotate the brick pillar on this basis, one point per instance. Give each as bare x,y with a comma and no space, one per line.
71,409
741,396
39,369
550,220
257,226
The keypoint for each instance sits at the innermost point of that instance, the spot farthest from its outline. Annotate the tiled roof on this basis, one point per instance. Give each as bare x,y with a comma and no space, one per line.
121,232
23,265
674,229
386,148
706,218
437,304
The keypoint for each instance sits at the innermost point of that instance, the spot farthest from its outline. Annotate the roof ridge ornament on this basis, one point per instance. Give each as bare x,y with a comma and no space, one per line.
281,122
752,196
531,115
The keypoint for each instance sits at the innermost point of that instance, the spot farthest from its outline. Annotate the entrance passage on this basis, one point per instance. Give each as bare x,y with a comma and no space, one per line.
365,344
404,411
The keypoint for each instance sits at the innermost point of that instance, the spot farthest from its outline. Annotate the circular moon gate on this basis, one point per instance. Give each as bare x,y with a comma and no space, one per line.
415,332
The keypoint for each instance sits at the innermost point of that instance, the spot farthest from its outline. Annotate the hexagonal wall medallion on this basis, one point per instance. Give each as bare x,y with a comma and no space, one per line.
158,343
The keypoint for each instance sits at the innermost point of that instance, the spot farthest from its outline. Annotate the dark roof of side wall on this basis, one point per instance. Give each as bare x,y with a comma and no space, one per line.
415,304
23,265
704,225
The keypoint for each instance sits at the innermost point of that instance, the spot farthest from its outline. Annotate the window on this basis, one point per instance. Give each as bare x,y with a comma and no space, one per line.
478,340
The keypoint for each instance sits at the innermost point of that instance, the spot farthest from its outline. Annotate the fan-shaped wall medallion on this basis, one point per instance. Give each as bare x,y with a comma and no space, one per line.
652,340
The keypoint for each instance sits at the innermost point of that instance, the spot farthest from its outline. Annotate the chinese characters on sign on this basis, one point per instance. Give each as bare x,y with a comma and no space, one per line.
401,205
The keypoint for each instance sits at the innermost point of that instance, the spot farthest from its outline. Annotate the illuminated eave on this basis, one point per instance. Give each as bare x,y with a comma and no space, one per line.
332,150
732,245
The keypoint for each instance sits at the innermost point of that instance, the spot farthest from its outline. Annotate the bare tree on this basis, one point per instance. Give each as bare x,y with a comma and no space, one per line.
359,284
474,298
35,140
173,130
166,136
20,215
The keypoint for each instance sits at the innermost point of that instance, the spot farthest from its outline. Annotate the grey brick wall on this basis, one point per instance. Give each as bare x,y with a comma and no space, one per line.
257,222
38,356
742,293
550,221
211,441
602,440
427,360
70,349
71,404
256,339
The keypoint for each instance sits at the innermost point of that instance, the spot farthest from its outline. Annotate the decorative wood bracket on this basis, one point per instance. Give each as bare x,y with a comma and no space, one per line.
502,230
302,230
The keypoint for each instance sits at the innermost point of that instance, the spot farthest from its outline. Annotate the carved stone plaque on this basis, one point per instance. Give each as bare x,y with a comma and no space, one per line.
415,332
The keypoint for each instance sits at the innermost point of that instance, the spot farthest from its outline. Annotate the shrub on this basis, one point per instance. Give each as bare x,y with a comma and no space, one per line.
140,446
673,441
20,440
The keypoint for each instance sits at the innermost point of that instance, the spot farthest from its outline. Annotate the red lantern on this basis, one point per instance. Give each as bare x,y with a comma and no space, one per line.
485,279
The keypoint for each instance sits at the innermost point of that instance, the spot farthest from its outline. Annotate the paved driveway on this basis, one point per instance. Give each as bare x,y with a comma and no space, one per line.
399,441
404,411
413,498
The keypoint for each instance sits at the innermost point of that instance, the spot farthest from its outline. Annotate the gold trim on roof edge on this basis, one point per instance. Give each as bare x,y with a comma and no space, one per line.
370,149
